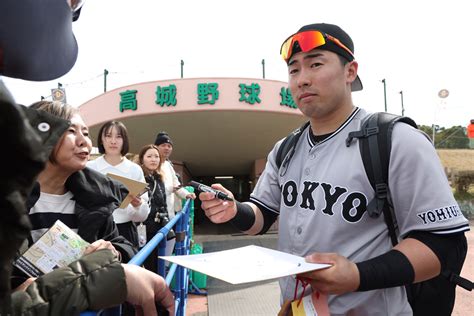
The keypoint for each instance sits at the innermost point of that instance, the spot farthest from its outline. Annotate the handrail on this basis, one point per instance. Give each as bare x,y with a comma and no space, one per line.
181,274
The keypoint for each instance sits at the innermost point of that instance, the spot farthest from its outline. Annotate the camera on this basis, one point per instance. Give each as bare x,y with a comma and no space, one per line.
162,218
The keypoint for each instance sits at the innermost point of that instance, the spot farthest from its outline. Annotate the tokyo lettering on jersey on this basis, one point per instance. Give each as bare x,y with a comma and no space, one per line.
322,197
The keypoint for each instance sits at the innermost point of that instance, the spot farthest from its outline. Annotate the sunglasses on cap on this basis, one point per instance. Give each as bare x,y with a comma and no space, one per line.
308,40
76,6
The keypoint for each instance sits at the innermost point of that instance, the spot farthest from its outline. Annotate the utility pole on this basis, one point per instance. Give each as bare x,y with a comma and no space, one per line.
182,65
263,68
106,72
385,93
403,109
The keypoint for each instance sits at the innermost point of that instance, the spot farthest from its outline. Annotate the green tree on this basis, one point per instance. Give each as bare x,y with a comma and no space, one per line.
427,129
454,137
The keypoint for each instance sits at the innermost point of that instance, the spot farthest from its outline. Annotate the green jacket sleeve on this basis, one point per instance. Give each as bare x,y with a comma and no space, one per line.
93,282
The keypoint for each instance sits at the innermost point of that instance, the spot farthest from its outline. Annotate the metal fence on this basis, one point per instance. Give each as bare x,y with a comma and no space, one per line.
182,228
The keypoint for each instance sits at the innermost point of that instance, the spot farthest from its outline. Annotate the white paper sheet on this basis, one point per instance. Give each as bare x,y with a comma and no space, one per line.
246,264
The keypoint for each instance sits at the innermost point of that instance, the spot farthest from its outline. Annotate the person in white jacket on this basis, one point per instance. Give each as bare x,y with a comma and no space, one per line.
113,143
174,192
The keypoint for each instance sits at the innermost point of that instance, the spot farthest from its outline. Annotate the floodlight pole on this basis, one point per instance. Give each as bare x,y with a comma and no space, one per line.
403,109
385,93
106,72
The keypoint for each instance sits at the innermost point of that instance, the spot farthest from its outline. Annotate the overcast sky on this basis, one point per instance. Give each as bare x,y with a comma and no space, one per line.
419,47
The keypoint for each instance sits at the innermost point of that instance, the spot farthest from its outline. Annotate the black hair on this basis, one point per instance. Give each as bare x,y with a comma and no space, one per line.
122,130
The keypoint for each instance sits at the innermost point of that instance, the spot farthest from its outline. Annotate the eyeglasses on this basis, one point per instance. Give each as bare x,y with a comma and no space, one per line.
308,40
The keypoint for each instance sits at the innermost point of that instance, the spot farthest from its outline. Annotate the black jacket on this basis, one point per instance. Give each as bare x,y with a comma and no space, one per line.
29,144
96,196
28,149
157,204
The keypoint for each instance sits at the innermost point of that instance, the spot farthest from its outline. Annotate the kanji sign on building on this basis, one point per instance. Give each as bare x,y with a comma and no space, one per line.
207,93
249,93
128,100
286,98
166,95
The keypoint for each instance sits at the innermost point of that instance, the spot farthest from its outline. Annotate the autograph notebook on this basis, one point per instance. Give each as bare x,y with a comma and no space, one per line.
135,188
57,247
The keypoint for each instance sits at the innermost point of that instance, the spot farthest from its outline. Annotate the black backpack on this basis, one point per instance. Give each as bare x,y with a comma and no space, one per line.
432,297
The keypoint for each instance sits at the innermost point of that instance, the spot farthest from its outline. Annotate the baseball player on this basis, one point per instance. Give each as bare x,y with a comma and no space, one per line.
320,195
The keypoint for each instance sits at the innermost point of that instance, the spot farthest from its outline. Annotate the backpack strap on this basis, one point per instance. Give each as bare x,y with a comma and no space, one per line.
375,139
288,146
458,280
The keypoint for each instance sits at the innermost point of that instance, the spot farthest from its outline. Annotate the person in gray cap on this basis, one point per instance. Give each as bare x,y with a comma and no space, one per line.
321,192
37,43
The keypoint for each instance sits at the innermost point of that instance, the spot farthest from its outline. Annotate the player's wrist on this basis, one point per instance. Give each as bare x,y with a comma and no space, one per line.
244,216
388,270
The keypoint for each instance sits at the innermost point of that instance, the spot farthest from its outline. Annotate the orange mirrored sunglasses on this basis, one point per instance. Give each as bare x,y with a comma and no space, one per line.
308,40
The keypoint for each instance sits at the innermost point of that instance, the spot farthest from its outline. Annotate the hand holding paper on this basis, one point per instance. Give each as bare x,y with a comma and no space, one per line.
135,188
246,264
57,247
342,277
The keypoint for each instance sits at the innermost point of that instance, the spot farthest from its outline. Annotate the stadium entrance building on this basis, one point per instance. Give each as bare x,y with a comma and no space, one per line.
222,128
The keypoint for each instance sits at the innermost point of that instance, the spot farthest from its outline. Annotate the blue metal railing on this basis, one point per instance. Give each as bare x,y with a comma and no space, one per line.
181,274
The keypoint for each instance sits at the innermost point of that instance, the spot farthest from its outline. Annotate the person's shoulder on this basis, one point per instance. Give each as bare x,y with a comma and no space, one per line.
405,131
167,165
133,167
95,163
411,142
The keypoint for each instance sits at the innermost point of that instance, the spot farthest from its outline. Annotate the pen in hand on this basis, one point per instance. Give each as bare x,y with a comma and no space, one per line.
204,188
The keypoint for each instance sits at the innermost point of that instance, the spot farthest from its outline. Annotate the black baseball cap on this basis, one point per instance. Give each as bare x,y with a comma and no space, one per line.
36,39
338,33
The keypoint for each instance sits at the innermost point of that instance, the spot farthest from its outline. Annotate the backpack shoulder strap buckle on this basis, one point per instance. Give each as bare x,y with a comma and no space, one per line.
381,190
364,132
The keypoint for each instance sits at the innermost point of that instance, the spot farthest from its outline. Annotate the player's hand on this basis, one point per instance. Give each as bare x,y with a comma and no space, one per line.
217,210
144,288
101,244
136,201
341,277
24,285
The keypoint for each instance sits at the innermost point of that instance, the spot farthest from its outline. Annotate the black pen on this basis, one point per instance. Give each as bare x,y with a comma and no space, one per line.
204,188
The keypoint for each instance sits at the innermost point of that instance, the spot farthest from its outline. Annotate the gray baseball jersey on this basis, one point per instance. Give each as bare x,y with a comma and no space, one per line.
322,201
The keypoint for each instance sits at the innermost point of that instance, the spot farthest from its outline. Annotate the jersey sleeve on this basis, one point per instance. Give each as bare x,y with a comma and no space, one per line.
421,195
267,193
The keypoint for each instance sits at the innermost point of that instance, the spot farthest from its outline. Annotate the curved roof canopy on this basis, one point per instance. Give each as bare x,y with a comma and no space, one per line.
219,126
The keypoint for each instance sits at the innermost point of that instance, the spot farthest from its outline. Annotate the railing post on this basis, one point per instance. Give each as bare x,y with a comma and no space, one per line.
181,222
161,265
179,249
